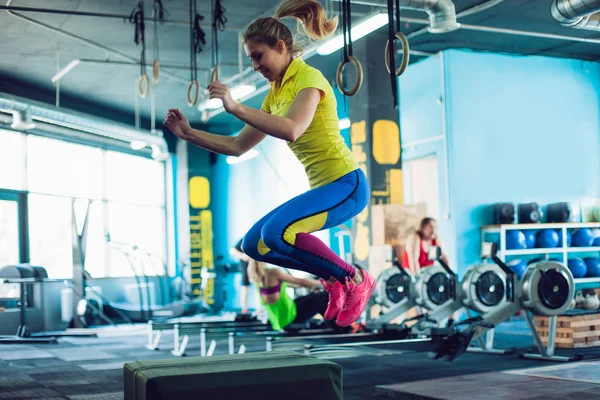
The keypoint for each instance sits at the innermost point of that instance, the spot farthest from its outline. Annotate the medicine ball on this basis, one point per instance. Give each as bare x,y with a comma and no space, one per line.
547,239
583,237
578,267
596,241
560,236
518,267
529,238
593,267
515,240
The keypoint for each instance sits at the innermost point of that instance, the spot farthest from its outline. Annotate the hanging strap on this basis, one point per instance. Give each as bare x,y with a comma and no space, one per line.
193,87
391,57
137,17
159,13
218,23
347,55
394,32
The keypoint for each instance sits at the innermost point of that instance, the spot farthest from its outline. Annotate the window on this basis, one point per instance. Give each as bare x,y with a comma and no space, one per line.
143,227
123,194
132,179
57,167
421,183
12,160
50,240
95,249
9,232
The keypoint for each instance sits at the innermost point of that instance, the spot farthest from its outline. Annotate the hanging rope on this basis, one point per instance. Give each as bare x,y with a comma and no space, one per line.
348,57
158,16
394,32
137,17
218,23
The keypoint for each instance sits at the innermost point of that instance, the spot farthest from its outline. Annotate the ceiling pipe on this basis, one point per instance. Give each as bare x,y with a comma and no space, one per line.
579,14
465,13
60,133
442,13
85,123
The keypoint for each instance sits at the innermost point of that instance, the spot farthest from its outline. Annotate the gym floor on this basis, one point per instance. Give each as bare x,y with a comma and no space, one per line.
92,369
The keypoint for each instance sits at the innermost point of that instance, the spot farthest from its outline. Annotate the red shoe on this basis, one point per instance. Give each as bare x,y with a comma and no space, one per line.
337,296
357,298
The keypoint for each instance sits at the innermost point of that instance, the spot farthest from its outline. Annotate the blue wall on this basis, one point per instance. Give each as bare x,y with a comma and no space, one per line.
520,129
422,131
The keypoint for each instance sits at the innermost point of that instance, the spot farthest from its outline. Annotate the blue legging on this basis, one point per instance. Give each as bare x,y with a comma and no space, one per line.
282,236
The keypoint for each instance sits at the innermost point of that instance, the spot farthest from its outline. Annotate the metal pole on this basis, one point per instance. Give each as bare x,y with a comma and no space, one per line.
203,342
231,343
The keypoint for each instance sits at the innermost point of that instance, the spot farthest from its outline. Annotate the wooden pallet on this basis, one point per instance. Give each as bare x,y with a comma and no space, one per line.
572,331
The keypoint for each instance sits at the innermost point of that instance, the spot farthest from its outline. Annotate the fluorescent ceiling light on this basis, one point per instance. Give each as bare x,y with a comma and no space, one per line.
361,29
244,157
344,123
236,93
65,70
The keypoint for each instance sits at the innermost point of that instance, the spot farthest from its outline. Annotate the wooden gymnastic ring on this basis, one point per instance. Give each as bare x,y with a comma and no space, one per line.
340,76
192,101
156,71
405,54
214,74
144,80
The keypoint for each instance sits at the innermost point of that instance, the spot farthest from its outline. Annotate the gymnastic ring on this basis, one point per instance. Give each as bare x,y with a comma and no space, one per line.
405,54
214,74
143,81
192,101
156,71
340,77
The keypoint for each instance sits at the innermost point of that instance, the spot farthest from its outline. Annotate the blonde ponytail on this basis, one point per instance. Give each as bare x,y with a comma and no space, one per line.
310,15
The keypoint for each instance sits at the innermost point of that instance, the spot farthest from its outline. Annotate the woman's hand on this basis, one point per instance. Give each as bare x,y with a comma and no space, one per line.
220,91
178,124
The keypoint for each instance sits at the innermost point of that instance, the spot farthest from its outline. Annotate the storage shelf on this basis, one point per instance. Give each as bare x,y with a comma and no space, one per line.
586,283
586,280
557,225
557,250
533,251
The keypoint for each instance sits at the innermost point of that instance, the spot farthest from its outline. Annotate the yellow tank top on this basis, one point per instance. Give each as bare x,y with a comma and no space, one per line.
321,149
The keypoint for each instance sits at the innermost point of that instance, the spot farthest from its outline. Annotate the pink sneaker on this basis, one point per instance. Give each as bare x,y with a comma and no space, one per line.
357,298
337,296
